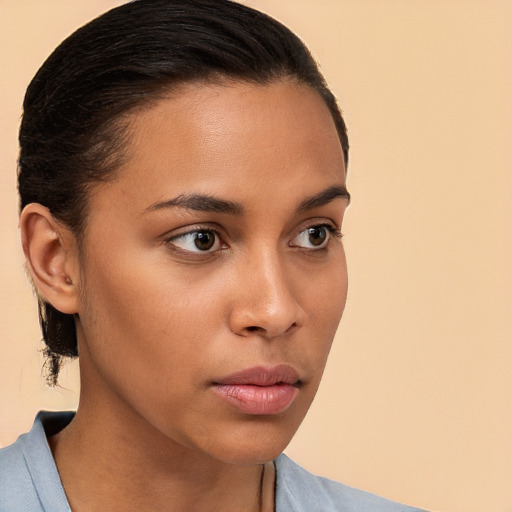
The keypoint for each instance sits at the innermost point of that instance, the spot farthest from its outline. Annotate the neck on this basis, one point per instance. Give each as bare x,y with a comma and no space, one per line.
118,472
126,464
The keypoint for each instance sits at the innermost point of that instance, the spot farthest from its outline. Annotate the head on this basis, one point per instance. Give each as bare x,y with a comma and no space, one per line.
126,122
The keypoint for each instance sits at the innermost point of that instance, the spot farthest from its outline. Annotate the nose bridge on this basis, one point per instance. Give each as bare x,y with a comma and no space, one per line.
272,281
267,303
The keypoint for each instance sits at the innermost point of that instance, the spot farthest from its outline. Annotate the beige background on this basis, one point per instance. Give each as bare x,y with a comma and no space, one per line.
416,403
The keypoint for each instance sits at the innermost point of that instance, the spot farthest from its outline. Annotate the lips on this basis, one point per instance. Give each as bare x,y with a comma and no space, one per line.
259,390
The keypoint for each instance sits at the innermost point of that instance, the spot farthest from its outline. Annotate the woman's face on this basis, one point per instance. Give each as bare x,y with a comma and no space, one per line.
213,275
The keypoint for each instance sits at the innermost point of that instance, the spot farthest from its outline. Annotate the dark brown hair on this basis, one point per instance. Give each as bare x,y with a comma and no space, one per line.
71,135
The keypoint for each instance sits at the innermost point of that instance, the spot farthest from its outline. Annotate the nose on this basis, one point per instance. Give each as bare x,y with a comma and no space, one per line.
265,303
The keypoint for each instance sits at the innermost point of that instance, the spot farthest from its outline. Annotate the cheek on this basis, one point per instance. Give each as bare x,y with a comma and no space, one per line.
330,303
323,297
326,292
145,342
149,323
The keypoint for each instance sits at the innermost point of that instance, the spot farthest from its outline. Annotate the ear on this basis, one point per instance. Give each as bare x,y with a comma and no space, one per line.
52,257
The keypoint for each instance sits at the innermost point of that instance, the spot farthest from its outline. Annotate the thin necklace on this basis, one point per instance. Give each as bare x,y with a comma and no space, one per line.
267,489
260,490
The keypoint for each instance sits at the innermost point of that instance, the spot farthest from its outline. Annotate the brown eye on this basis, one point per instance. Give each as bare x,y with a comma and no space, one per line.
200,240
317,235
314,237
204,240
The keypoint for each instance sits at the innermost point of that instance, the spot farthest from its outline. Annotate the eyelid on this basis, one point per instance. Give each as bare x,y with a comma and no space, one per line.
326,222
330,226
190,230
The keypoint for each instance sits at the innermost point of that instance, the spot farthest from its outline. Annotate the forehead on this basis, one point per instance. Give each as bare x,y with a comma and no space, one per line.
230,139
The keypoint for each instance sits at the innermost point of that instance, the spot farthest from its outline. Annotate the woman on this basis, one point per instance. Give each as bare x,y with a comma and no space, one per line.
182,181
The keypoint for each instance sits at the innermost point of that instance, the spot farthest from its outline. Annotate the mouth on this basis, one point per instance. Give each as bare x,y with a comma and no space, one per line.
260,390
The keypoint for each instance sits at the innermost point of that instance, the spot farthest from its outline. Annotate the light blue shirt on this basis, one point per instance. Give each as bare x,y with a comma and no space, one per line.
30,482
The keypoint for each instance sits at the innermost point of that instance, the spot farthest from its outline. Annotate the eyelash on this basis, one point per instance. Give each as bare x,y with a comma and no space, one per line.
332,232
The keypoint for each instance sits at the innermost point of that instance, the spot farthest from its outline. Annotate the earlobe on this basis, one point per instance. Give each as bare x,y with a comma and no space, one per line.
50,252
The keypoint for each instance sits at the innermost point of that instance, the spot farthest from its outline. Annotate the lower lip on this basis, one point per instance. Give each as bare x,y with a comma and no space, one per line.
258,400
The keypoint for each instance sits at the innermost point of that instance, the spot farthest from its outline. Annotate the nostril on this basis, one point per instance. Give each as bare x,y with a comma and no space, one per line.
291,327
263,331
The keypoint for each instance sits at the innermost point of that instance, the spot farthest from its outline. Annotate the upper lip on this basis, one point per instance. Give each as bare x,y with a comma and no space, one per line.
262,376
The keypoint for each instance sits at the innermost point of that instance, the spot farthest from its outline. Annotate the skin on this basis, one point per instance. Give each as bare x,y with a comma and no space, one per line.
159,320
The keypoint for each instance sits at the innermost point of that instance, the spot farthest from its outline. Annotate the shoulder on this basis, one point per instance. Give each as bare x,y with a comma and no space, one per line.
16,489
29,480
298,490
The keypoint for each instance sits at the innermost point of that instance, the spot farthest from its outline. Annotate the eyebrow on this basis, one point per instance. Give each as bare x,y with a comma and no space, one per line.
206,203
201,203
325,197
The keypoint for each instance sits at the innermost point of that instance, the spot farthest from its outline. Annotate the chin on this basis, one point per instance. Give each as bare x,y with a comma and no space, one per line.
257,444
251,455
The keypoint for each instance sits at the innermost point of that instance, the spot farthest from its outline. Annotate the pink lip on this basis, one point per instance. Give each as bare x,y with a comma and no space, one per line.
260,390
